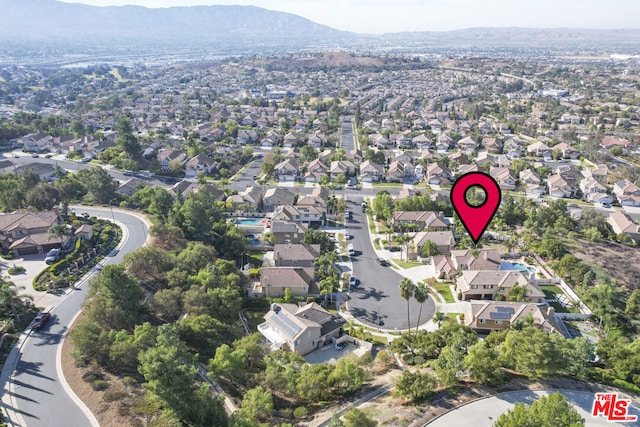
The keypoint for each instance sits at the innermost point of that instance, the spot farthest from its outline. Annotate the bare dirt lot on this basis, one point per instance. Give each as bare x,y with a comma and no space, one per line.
620,261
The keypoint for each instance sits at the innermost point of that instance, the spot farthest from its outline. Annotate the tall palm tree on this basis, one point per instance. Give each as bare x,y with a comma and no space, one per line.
403,240
518,293
57,230
325,263
421,294
407,290
328,285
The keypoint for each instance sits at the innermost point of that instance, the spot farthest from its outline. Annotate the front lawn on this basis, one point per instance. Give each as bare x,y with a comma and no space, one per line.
444,290
407,264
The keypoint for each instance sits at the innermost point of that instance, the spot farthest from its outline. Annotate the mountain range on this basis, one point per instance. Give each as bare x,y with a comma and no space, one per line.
46,25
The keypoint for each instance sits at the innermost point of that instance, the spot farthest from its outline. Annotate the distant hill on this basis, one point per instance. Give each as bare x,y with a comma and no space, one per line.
46,19
52,32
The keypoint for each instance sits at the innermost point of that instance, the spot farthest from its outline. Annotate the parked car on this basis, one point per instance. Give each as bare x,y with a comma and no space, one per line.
40,320
86,159
383,262
52,256
394,249
353,281
48,156
34,155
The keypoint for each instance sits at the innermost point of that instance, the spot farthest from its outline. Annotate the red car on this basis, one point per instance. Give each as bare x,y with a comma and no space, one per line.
40,320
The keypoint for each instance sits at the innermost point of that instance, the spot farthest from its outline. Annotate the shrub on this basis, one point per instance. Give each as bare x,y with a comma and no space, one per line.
16,269
300,412
130,381
100,385
92,376
112,396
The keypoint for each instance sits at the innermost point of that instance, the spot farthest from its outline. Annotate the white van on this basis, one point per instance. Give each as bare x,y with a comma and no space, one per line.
350,250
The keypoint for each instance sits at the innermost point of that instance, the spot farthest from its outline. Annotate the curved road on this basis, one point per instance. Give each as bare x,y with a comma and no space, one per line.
36,394
377,295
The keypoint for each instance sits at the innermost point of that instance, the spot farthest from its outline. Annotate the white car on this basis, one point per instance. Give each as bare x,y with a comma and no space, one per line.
353,281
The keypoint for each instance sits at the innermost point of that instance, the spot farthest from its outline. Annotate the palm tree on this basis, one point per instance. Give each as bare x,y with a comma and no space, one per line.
325,263
403,240
421,294
518,293
57,231
429,249
438,317
328,285
407,290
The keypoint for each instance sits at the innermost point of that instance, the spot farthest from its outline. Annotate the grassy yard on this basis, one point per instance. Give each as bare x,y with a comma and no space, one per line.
256,258
444,290
551,290
407,264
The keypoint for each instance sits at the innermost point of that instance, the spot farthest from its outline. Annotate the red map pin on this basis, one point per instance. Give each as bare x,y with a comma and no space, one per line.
476,218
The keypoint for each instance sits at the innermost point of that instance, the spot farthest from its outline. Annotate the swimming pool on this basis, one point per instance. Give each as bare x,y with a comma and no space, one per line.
516,266
248,221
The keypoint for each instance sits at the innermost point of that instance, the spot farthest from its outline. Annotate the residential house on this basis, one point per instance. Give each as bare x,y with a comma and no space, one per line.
167,155
444,240
621,224
511,149
312,216
287,170
341,167
483,158
295,255
468,168
197,164
443,142
593,191
317,140
287,232
370,171
609,142
600,173
419,221
300,329
398,171
85,232
131,186
27,232
35,142
248,199
489,284
315,170
319,198
492,145
539,148
628,193
379,140
45,171
355,157
487,316
299,280
567,151
443,267
484,259
277,196
559,187
505,177
438,175
529,177
467,144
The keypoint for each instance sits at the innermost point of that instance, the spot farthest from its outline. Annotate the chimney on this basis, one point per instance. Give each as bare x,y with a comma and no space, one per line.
551,311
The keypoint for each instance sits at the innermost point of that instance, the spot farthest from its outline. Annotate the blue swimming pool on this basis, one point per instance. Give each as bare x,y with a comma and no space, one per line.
516,266
248,221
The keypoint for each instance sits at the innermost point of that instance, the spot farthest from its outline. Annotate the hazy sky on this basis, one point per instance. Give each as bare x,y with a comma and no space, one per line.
380,16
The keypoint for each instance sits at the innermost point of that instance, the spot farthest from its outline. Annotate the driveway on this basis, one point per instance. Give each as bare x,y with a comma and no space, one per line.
484,412
377,295
33,264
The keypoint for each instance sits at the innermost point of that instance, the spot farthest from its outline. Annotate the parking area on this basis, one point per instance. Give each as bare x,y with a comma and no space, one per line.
331,355
33,265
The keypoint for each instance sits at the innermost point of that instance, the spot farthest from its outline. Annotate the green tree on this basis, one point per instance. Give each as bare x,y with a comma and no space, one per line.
407,290
416,386
531,352
483,364
170,371
382,205
549,411
518,293
257,403
314,383
429,249
100,185
114,298
335,421
347,376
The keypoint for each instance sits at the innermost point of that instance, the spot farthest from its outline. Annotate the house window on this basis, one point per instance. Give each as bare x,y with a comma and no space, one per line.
480,320
498,322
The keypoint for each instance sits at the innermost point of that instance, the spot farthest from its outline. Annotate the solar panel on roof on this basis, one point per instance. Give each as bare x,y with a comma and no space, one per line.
505,309
285,324
497,315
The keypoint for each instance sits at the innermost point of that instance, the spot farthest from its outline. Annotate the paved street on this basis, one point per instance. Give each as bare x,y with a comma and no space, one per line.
33,392
377,295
